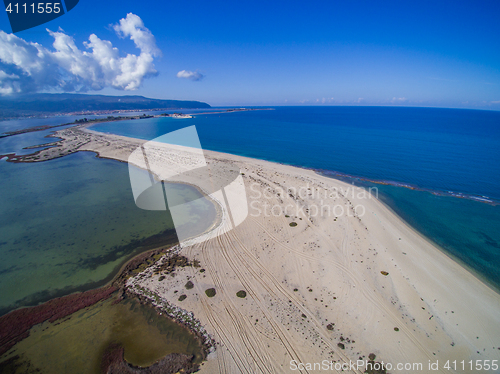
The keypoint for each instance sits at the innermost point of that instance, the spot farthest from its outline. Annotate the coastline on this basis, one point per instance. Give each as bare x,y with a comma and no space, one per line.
98,143
329,173
17,324
166,238
458,195
417,293
445,252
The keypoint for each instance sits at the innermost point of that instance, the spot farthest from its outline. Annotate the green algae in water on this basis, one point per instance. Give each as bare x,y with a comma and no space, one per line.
76,344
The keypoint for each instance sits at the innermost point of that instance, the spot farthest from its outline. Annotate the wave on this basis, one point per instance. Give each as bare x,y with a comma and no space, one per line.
362,182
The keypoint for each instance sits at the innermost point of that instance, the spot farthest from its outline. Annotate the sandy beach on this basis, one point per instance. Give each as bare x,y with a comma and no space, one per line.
331,276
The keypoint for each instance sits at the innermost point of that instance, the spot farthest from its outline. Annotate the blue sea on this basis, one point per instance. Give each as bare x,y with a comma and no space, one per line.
69,223
449,157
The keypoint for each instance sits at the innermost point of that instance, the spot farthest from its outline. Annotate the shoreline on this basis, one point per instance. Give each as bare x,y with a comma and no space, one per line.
447,266
494,287
324,173
416,300
86,127
146,245
17,324
458,195
11,157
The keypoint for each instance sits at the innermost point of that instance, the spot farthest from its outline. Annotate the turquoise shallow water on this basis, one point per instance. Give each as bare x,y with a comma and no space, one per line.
468,230
447,151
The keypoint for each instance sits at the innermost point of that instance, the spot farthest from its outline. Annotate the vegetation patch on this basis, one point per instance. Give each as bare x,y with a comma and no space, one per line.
161,278
242,294
189,285
375,367
293,224
210,292
173,262
330,326
182,297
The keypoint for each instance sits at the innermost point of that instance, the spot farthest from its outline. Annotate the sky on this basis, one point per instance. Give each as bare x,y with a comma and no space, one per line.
232,53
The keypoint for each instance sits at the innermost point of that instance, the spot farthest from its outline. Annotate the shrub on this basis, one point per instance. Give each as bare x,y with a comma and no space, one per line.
242,294
210,292
293,224
182,297
189,285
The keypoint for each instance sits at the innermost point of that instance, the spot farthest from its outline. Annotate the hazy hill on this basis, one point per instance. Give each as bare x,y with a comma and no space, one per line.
44,104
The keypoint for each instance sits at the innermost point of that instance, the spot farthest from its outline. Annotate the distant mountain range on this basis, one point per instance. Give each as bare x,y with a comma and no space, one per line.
46,104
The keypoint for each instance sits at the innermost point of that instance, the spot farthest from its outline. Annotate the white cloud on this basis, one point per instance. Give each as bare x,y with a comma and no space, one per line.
399,100
323,100
30,67
193,75
134,27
